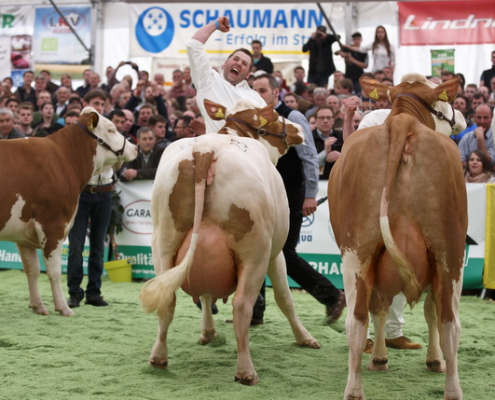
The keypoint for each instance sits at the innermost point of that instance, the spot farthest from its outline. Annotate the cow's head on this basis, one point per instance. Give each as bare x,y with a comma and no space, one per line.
112,148
432,99
246,119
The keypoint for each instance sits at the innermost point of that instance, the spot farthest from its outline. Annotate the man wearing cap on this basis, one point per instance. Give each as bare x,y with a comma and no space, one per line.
321,64
355,62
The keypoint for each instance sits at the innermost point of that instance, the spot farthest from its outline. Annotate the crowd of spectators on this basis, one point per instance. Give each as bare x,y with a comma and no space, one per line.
40,106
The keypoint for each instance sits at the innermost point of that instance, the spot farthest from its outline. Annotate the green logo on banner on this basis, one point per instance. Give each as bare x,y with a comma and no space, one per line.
8,21
49,44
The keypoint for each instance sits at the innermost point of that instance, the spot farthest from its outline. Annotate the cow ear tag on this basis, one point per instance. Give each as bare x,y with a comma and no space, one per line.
219,113
444,96
374,94
263,121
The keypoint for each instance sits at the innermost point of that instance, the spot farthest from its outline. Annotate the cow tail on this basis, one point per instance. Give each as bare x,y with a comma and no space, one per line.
396,129
159,293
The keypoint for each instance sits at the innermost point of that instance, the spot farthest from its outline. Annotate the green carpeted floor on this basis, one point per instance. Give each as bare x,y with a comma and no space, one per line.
101,353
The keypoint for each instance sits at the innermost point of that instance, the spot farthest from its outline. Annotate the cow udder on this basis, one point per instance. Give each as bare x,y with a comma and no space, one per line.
213,270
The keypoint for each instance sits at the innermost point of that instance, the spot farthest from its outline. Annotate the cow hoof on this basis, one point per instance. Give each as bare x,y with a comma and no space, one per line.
160,364
207,337
248,381
378,364
66,312
435,366
356,394
41,310
311,343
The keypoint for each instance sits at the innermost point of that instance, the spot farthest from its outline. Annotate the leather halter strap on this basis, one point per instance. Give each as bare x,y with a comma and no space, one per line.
440,115
100,141
262,131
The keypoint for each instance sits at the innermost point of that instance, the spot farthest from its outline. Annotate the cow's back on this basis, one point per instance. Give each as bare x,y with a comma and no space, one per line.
428,185
245,196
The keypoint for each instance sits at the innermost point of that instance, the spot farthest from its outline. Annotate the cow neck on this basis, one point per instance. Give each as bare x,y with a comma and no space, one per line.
409,105
79,151
263,132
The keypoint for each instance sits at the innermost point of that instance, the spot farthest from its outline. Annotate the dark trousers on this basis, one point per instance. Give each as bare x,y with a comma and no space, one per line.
94,210
320,78
299,269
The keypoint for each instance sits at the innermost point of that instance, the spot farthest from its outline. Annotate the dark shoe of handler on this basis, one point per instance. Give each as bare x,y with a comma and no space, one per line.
97,302
335,310
73,302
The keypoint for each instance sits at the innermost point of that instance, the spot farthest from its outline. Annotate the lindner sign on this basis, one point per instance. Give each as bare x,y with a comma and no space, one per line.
453,22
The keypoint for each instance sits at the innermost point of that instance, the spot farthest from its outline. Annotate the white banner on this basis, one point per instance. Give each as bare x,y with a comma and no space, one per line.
16,20
316,241
5,55
160,30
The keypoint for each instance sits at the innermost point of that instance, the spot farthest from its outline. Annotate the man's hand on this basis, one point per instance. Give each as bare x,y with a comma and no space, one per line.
197,127
351,104
223,24
309,206
139,88
333,156
329,142
479,132
157,89
129,174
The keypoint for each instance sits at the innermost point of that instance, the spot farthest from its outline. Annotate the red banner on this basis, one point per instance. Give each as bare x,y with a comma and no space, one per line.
446,22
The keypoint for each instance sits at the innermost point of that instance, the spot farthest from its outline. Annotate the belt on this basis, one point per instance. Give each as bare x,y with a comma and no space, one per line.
93,189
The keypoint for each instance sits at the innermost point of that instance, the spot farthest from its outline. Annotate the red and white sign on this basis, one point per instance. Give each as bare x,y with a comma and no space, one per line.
446,22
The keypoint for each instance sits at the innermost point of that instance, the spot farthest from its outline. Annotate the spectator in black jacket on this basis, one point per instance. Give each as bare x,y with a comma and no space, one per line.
26,91
260,62
146,163
328,141
321,65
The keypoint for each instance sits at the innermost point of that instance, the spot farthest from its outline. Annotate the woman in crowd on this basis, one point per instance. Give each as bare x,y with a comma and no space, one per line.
382,52
66,80
47,126
478,169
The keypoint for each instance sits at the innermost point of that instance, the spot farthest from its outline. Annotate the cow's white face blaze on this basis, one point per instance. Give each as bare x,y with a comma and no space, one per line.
106,131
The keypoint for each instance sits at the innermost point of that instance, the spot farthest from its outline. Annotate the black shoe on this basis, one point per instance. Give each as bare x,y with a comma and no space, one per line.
97,302
214,308
73,302
258,310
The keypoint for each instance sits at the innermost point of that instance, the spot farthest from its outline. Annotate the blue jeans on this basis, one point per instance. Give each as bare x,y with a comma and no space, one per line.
94,210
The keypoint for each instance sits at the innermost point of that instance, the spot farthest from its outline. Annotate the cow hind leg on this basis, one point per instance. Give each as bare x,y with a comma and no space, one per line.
278,275
31,266
450,338
208,332
159,353
249,284
379,359
356,323
434,357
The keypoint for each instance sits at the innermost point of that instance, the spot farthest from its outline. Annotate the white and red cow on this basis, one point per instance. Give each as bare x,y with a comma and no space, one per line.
41,182
398,210
220,220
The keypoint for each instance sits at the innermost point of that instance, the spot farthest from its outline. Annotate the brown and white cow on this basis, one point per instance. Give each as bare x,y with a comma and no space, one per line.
398,210
41,179
220,220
